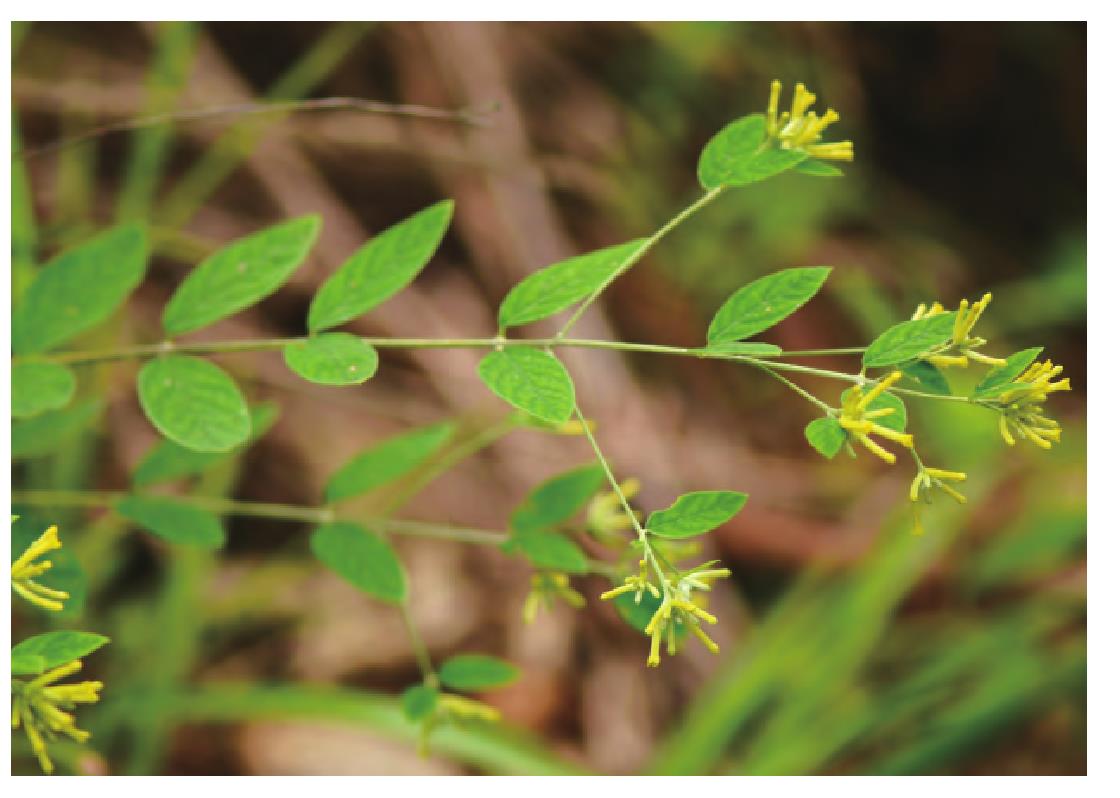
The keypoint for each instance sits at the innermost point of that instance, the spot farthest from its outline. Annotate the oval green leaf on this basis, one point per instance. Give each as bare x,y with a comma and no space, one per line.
696,513
40,386
557,499
826,436
332,359
740,154
240,275
550,551
473,672
562,284
380,268
761,304
59,648
174,521
79,289
362,559
906,340
530,380
996,381
419,701
194,403
50,431
167,460
387,460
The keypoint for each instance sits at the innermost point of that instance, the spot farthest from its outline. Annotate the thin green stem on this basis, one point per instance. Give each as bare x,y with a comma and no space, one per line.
281,512
796,388
419,649
640,252
847,350
650,554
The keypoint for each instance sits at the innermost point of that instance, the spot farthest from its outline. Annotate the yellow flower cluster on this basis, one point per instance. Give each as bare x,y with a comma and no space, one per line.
546,587
679,612
1021,416
800,128
38,706
606,517
929,478
25,570
962,346
858,419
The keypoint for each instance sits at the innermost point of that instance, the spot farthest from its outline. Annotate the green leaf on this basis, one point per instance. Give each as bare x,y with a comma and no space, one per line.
362,559
387,460
997,380
908,339
66,572
332,359
530,380
557,499
27,664
40,386
562,284
696,513
59,648
763,303
174,521
382,267
473,672
926,376
550,551
167,460
896,420
419,702
745,348
79,289
826,436
818,169
240,275
50,431
740,154
194,403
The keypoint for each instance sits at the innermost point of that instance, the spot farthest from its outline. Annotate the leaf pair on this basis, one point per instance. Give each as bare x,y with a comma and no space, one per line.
468,673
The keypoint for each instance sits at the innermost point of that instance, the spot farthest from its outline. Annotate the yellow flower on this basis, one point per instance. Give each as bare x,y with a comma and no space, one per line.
800,128
962,346
606,516
859,421
929,478
546,587
38,706
25,570
1020,406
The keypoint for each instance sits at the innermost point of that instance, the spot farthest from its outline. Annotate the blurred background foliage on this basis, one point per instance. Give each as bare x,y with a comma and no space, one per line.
850,645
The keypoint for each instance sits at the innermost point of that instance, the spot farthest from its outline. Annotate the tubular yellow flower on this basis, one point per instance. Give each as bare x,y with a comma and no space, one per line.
1020,406
678,611
25,569
800,128
961,347
857,418
929,478
545,588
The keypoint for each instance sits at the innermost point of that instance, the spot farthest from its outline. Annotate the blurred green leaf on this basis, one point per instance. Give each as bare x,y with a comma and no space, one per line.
419,701
332,359
740,154
240,275
174,521
362,559
381,268
530,380
637,613
50,431
387,460
194,403
562,284
558,499
908,339
696,513
818,169
59,648
40,386
763,303
549,551
79,289
473,672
